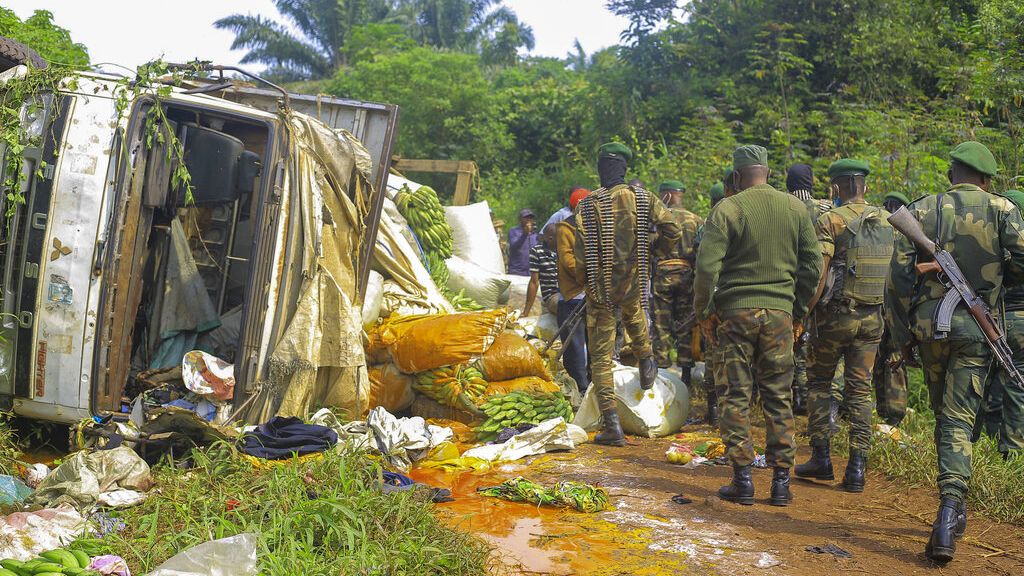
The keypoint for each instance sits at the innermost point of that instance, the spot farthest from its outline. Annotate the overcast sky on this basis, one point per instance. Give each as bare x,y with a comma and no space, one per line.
131,32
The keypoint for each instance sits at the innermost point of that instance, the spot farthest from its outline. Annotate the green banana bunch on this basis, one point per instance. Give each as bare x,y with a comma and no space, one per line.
51,563
514,408
423,211
461,302
453,386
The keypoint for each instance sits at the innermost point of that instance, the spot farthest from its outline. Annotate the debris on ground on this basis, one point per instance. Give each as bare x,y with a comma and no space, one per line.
85,478
829,549
234,556
582,497
23,535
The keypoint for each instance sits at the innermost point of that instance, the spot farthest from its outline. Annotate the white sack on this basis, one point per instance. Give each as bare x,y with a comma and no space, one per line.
373,298
473,236
488,289
653,413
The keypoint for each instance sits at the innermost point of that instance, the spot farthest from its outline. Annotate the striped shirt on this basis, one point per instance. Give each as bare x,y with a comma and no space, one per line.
545,263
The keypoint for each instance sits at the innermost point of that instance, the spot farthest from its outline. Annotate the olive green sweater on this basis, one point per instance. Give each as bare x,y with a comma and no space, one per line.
759,250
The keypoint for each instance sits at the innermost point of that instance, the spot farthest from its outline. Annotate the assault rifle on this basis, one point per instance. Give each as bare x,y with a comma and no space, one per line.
959,290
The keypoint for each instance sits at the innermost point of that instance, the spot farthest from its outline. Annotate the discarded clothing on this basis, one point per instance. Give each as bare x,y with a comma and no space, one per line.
403,441
111,565
506,434
583,497
84,477
829,549
395,482
680,499
282,438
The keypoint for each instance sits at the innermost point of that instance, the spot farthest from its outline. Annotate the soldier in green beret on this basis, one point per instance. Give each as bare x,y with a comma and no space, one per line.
894,201
1004,402
613,227
985,235
672,285
757,268
856,243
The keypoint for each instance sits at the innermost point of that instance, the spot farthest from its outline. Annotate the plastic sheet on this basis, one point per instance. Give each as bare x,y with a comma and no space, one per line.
84,476
653,413
548,436
403,441
13,490
23,535
207,375
234,556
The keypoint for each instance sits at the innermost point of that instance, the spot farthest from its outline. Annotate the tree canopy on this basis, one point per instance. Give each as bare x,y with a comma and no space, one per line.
39,32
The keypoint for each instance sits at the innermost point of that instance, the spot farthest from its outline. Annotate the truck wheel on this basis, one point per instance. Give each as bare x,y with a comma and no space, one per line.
13,53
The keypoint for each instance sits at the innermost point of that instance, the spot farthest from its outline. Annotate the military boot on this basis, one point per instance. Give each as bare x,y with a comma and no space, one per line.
799,402
712,416
942,543
686,374
819,466
961,520
781,496
611,432
741,489
853,479
648,372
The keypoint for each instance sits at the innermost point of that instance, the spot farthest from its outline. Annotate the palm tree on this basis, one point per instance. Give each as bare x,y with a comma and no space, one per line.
315,49
470,26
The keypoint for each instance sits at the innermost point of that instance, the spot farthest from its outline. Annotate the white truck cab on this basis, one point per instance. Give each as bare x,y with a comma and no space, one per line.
84,262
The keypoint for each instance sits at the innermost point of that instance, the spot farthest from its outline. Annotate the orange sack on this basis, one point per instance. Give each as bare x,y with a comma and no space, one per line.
426,342
390,388
531,385
511,357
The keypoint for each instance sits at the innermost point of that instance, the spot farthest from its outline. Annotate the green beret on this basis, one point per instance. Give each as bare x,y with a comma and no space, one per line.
671,185
898,196
1017,197
749,155
717,192
975,155
848,167
615,149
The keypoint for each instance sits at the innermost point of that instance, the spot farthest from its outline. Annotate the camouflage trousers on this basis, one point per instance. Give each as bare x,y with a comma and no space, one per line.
955,373
754,346
852,335
1004,402
800,368
672,308
890,384
601,344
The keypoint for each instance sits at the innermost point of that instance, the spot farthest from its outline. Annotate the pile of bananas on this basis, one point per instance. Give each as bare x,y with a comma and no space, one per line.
453,386
461,302
425,215
52,563
514,408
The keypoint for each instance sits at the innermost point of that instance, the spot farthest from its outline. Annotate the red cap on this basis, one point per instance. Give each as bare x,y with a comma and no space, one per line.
577,195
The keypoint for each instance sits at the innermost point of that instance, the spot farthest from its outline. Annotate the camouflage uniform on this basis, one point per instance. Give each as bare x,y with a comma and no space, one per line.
890,383
672,288
1004,402
754,343
847,329
626,284
979,230
815,208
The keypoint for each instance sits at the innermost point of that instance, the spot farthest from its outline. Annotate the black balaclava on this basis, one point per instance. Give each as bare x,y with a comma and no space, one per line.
611,169
800,181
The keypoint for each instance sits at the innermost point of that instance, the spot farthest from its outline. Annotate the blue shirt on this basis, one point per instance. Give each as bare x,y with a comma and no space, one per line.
519,245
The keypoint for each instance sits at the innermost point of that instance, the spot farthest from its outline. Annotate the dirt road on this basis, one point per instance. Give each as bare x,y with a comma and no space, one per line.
885,528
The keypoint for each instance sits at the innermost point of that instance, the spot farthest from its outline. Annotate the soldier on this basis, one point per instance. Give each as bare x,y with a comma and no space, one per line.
712,392
800,183
757,268
889,375
613,226
672,286
856,242
983,233
1004,403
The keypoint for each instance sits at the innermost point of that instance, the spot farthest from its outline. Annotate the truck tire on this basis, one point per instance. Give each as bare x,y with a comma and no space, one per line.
13,53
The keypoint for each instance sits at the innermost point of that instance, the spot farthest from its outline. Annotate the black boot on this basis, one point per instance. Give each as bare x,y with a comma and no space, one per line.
741,489
686,374
819,466
853,480
799,403
712,416
942,543
611,433
961,520
781,496
648,372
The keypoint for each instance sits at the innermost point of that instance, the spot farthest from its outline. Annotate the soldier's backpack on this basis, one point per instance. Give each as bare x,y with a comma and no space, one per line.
864,269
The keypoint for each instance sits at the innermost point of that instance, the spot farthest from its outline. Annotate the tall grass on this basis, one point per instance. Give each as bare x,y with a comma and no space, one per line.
997,485
312,517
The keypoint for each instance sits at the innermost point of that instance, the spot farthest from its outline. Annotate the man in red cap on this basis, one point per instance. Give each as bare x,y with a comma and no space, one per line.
571,297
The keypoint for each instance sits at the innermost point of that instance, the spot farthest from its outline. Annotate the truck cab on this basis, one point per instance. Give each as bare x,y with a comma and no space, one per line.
93,286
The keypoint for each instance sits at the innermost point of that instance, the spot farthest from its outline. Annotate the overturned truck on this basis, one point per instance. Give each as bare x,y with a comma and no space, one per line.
113,267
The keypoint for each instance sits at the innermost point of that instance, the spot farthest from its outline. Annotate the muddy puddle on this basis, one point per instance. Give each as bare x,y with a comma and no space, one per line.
644,534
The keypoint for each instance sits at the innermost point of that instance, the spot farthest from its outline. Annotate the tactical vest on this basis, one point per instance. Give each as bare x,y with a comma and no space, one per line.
859,270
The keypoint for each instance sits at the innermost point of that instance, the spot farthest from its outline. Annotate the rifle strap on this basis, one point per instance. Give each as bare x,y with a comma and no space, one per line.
938,221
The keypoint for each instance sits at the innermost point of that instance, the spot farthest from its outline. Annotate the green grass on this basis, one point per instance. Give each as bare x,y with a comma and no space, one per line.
314,517
997,486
